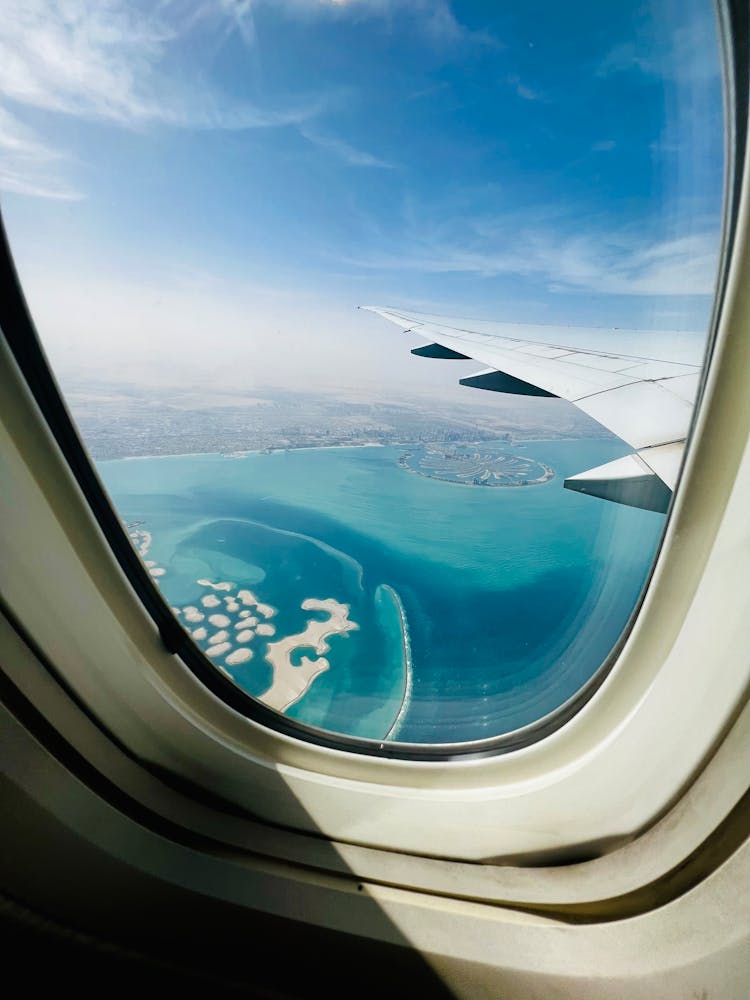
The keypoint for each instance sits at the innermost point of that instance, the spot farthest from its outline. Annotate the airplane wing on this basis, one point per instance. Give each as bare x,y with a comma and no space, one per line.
644,392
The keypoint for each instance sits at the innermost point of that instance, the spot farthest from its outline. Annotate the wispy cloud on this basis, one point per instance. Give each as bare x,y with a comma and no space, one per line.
18,140
16,182
27,164
522,90
560,258
680,51
349,154
107,61
435,19
430,91
103,60
440,21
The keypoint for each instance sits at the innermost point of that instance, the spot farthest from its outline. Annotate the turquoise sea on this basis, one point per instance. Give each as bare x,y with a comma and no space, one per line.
512,597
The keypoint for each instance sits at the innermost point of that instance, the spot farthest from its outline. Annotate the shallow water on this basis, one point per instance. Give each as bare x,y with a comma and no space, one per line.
513,596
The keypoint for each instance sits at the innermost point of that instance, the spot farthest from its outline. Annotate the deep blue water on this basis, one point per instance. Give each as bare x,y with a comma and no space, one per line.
513,596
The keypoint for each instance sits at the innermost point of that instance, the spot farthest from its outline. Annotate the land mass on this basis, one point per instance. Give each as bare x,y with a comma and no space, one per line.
289,681
120,421
470,465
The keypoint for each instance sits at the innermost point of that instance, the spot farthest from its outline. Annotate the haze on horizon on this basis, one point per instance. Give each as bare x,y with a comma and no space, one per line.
202,193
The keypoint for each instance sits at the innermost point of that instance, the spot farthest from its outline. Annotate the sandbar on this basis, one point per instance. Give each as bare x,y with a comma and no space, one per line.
290,682
248,597
223,585
249,623
142,541
218,637
264,629
239,656
220,621
210,601
192,614
199,633
219,650
245,635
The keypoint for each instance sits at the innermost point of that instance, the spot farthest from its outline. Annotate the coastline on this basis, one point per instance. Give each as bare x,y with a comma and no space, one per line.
516,442
522,441
241,454
407,661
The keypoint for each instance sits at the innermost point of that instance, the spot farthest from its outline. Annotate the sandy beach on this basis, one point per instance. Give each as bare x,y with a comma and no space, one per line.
220,621
248,598
223,585
291,682
239,656
216,652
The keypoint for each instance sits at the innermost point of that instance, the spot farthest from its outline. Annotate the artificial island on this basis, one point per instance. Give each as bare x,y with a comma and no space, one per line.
473,465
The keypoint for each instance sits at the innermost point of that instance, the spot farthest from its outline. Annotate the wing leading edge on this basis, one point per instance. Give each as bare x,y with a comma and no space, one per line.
644,395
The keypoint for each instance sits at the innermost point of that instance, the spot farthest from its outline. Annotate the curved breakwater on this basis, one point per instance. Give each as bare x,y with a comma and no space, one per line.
406,659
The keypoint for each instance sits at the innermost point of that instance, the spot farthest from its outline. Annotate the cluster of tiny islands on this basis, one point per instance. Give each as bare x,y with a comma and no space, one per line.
471,449
227,618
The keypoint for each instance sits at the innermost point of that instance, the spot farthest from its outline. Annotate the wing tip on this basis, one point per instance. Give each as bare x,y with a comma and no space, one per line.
627,481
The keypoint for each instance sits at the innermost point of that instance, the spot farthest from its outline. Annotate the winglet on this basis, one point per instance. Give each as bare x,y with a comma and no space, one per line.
627,480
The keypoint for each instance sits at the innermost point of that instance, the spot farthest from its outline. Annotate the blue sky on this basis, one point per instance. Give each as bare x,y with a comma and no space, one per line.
218,184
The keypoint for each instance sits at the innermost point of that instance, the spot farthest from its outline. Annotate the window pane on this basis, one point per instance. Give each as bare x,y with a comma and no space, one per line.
198,198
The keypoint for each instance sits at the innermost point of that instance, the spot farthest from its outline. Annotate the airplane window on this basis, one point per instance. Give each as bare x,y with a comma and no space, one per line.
429,520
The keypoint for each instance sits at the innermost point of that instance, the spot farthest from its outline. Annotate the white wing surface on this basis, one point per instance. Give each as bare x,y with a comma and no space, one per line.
643,390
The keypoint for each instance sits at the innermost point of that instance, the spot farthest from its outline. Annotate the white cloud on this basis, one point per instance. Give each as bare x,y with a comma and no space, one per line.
617,263
442,24
21,183
522,90
343,150
103,60
25,163
106,61
18,140
682,266
677,43
433,18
